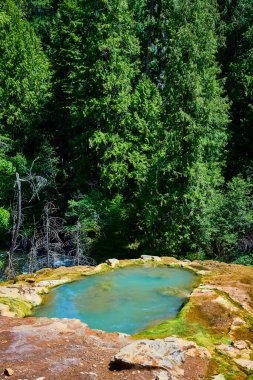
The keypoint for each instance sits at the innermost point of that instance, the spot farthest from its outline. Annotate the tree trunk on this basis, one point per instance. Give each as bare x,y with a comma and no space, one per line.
47,235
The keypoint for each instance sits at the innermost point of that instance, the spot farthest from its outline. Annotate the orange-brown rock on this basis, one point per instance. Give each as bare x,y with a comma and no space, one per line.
60,349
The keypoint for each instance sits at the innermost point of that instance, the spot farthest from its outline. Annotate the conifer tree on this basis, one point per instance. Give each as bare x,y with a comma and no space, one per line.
41,13
237,62
24,90
24,74
189,163
112,106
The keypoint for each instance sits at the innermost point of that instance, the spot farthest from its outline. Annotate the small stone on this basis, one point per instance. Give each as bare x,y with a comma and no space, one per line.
161,375
8,372
112,262
92,375
40,378
240,344
150,258
219,377
248,364
30,280
237,322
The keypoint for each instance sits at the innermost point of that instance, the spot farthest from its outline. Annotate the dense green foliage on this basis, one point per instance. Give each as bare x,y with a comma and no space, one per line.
24,72
188,164
135,119
237,61
24,90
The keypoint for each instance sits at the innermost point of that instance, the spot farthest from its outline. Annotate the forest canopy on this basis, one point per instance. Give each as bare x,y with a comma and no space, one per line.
125,127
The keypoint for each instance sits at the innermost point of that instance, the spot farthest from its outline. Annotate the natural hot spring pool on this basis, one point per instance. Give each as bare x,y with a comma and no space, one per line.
126,300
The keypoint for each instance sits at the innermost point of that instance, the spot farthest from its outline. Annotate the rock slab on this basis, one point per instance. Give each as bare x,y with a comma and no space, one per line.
167,354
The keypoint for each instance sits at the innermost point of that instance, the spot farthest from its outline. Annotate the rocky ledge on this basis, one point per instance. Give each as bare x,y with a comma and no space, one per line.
211,338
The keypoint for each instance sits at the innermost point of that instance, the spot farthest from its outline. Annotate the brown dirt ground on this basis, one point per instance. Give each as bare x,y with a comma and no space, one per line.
60,349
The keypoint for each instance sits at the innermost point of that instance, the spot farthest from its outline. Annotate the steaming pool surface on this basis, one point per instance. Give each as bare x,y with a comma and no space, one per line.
126,300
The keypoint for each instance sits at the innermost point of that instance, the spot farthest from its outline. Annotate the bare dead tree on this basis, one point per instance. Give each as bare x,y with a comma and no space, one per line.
51,244
36,183
49,239
53,227
33,254
80,246
46,245
77,243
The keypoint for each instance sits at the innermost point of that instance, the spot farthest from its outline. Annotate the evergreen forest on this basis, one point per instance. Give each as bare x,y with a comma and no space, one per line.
126,126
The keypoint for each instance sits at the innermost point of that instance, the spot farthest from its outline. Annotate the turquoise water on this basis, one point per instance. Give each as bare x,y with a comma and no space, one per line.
126,300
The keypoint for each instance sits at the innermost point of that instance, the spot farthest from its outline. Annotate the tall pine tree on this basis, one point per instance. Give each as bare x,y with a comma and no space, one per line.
190,160
24,91
112,106
237,61
24,74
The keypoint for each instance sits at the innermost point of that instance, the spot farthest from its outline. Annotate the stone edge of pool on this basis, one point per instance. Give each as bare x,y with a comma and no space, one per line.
19,296
218,315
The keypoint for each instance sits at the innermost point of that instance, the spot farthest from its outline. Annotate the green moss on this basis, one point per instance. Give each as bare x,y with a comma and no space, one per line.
178,327
229,369
20,307
104,268
181,328
128,263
